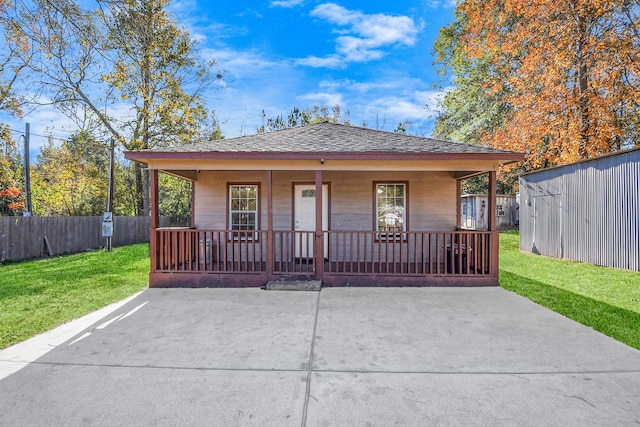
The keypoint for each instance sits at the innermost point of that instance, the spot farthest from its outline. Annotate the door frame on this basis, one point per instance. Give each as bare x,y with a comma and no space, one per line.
293,202
328,201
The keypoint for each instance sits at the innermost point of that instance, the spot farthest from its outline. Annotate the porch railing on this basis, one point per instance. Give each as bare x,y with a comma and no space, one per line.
409,253
415,253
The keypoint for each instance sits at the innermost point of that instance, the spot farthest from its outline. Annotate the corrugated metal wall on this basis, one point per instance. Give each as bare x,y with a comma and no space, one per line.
587,211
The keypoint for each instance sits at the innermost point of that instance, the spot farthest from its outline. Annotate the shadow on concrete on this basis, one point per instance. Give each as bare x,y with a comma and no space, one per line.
616,322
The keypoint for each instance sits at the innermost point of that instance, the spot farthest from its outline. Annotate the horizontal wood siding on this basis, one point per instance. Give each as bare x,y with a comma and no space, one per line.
23,237
589,211
432,198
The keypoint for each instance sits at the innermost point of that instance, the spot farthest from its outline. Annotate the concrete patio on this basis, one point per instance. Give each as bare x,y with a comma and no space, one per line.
345,356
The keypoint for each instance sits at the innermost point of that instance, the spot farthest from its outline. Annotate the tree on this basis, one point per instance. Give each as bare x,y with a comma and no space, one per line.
71,179
174,195
298,117
128,56
10,201
154,65
468,110
566,74
15,56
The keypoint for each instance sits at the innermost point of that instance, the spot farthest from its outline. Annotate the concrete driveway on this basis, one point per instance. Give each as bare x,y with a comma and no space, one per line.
416,357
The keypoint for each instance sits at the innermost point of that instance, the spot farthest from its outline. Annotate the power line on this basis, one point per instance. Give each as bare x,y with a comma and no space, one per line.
41,136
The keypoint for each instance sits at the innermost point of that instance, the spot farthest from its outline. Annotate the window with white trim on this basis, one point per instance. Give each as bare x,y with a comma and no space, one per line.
243,206
391,202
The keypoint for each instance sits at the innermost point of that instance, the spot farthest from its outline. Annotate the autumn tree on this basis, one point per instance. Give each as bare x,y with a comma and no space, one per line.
15,56
560,79
157,71
127,62
10,160
468,109
71,178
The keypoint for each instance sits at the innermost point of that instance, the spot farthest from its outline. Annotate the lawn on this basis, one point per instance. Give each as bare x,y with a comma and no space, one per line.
606,299
36,296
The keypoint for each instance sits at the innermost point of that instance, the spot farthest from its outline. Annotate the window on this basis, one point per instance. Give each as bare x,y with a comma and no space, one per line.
243,206
391,202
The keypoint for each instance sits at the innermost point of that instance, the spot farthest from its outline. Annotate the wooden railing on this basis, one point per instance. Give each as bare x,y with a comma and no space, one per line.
409,253
189,250
293,252
347,252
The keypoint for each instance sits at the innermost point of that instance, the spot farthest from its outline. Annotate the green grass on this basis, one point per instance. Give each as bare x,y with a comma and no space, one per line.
36,296
606,299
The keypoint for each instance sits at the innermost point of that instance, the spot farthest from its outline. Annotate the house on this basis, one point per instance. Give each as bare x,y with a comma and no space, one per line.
587,211
345,205
474,212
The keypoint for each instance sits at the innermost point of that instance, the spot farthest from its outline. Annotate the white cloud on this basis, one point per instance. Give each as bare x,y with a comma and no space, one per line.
395,84
323,98
399,108
239,63
365,34
419,105
286,3
250,12
331,61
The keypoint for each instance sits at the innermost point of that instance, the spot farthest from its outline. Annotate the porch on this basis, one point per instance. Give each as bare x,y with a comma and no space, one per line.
234,258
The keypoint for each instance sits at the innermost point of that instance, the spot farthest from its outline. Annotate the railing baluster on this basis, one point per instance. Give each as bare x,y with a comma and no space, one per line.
365,258
232,246
429,253
358,252
189,235
344,253
246,244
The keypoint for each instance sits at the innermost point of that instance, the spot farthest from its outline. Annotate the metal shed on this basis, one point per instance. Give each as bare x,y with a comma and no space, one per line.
587,211
473,215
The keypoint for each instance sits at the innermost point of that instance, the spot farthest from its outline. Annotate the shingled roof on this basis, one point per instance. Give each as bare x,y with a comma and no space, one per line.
328,138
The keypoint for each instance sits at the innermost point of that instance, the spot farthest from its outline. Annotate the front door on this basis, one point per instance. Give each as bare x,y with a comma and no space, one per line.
304,217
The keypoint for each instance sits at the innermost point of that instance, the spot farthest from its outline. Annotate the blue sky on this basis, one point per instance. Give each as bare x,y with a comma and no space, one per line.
372,58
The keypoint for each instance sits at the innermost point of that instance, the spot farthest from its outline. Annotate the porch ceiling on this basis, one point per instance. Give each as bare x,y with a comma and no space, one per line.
460,167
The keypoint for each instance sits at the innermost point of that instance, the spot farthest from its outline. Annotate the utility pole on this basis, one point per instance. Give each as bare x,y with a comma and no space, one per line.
27,170
110,192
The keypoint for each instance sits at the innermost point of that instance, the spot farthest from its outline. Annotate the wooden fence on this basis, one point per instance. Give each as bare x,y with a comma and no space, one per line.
25,237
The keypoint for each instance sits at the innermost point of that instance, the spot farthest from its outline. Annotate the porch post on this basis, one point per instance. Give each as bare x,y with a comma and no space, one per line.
491,224
458,202
270,254
155,219
319,241
193,204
